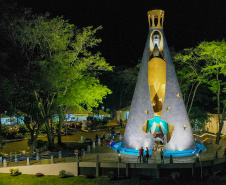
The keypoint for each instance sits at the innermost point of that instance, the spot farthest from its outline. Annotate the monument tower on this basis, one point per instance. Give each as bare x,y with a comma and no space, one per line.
157,112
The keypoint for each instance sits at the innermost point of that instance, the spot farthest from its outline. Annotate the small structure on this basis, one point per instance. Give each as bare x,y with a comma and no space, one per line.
123,114
103,114
213,126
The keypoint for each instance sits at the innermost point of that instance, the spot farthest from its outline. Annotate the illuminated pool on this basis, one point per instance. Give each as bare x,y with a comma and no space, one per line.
200,148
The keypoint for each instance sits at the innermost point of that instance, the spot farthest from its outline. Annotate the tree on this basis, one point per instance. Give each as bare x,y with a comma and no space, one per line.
213,53
205,65
59,70
190,77
122,82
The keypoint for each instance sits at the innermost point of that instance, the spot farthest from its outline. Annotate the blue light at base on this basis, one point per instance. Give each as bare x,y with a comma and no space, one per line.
199,149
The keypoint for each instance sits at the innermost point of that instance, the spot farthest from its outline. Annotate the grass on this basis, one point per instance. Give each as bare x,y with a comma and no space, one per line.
55,180
6,179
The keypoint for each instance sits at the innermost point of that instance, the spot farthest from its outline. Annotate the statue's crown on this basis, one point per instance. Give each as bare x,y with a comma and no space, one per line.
155,18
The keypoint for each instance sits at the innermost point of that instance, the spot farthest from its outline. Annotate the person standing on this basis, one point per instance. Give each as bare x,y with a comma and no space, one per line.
147,154
112,143
141,153
121,123
96,139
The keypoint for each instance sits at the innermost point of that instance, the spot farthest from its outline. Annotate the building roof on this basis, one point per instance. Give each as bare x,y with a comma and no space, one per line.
75,111
103,113
125,109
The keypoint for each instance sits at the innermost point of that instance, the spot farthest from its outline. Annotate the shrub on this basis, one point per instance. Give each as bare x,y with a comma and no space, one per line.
175,175
19,136
4,131
105,120
13,130
14,171
62,173
43,129
111,175
23,129
41,144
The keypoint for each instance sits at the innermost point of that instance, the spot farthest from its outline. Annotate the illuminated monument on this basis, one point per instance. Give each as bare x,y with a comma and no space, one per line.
157,111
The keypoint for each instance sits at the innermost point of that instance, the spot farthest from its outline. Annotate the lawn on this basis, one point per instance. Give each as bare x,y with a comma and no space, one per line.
6,179
51,179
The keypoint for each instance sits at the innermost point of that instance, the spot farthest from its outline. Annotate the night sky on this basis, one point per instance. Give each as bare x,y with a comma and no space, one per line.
125,23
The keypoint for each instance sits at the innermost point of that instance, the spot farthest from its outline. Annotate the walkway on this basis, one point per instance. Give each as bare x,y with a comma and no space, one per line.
106,154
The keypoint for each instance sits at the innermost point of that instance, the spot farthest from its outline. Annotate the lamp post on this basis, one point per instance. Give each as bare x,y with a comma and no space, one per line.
120,121
67,135
119,161
198,154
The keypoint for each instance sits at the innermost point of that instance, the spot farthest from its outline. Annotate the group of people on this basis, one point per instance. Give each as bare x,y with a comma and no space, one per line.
141,153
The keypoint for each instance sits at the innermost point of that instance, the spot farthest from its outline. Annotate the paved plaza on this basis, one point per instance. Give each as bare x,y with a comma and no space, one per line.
107,154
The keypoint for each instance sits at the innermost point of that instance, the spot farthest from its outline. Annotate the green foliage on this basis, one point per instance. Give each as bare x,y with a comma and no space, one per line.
64,174
59,69
19,136
14,171
96,121
43,129
122,82
175,175
105,120
40,143
23,128
205,64
4,130
111,174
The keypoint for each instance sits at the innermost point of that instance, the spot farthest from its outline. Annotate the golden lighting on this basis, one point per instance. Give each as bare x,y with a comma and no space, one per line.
145,127
160,47
147,111
185,127
157,83
178,95
167,108
155,18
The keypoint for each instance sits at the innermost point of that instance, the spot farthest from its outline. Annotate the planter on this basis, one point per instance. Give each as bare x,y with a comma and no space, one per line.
63,176
15,174
39,174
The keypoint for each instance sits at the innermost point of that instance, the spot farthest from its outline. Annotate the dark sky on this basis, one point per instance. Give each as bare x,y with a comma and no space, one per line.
125,23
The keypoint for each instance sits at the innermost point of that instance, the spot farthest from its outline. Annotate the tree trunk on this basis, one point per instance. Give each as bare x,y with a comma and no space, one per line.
49,136
61,121
221,124
33,139
193,97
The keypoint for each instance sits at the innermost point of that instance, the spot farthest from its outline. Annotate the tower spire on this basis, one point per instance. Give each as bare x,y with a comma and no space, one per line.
155,19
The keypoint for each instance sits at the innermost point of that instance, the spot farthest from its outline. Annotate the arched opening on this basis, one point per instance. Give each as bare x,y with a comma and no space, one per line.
161,21
156,20
151,22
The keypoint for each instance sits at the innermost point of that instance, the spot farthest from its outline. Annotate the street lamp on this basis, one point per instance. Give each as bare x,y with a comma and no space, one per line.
198,156
66,135
119,161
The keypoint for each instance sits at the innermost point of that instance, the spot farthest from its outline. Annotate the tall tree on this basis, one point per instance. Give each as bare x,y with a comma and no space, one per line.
190,77
213,53
59,69
122,82
204,66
